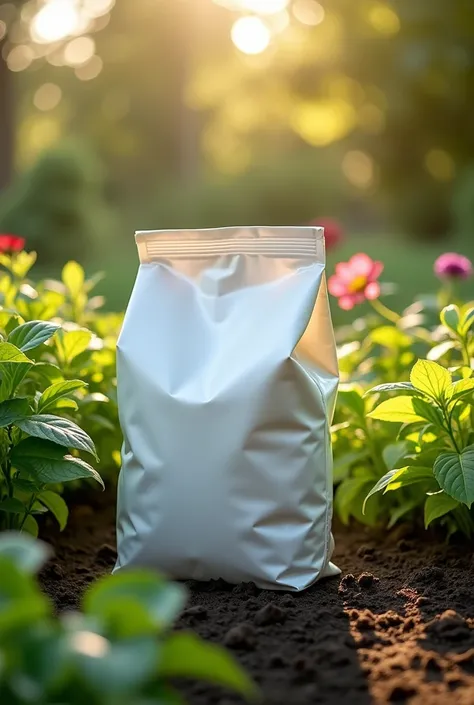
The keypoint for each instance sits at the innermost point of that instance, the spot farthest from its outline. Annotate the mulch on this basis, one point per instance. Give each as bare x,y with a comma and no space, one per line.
396,627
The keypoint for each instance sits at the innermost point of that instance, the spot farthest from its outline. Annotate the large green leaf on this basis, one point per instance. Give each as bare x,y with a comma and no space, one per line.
428,411
163,600
12,410
13,374
185,655
57,391
26,553
72,343
402,476
30,335
56,505
59,430
411,475
437,505
430,378
398,410
10,353
455,474
47,462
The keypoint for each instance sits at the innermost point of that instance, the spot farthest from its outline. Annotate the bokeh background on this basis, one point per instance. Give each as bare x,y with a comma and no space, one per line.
117,115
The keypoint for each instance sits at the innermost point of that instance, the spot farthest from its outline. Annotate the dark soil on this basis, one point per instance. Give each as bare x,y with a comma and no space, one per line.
397,627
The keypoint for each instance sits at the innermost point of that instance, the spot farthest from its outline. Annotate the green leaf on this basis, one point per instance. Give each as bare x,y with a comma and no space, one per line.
74,278
31,526
397,409
56,505
410,475
10,353
13,374
30,335
401,387
163,600
450,317
47,463
455,474
185,655
12,506
349,494
26,553
399,512
22,263
430,412
51,373
390,337
342,464
394,452
430,378
118,669
59,430
437,505
72,343
460,389
57,391
404,476
12,410
351,397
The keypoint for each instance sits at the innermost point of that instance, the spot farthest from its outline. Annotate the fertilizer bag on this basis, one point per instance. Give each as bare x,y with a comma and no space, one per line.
227,379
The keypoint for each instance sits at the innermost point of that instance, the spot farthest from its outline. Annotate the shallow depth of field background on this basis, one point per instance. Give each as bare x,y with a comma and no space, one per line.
117,115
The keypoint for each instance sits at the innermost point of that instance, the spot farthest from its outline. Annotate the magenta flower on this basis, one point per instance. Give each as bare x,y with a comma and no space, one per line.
453,266
356,281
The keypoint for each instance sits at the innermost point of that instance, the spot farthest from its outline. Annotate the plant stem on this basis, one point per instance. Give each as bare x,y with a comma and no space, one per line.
384,311
449,429
28,511
466,358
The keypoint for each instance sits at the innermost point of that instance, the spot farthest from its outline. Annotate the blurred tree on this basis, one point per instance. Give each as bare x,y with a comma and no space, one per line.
58,205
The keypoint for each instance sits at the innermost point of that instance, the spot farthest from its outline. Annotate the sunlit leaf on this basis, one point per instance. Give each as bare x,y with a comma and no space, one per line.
397,410
57,391
459,389
72,343
56,505
73,277
450,317
30,335
10,353
430,378
401,387
440,350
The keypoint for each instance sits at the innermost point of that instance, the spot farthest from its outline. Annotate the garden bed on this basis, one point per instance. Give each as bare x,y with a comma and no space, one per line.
398,626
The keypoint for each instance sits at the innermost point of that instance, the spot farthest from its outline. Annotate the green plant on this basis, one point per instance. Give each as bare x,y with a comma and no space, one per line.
119,651
84,347
39,449
435,410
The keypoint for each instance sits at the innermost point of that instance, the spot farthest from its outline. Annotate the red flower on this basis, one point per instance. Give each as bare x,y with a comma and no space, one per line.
333,232
356,281
11,243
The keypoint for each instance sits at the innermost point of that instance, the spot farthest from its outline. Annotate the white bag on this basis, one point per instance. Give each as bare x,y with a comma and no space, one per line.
227,379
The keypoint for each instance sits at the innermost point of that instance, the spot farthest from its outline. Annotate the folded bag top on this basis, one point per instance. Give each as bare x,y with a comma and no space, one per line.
227,379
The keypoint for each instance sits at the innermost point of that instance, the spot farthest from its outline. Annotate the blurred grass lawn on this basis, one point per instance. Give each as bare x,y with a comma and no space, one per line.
408,265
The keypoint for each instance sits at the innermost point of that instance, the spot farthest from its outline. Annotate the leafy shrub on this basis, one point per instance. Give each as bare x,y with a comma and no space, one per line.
419,442
58,205
119,650
34,440
83,349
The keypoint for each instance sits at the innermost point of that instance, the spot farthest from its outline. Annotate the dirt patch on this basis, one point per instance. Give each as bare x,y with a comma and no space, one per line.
397,627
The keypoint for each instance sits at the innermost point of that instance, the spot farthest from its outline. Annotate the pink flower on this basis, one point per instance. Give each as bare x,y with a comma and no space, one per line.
453,266
333,232
356,281
11,243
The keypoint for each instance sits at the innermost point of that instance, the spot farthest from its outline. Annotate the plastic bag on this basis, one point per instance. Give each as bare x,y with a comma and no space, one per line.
227,379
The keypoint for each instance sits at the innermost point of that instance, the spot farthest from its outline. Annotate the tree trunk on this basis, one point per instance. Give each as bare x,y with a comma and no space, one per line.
6,122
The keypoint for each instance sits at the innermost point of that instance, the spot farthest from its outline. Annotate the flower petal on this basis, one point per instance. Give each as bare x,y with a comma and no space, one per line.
377,269
336,286
372,291
361,265
347,302
344,271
